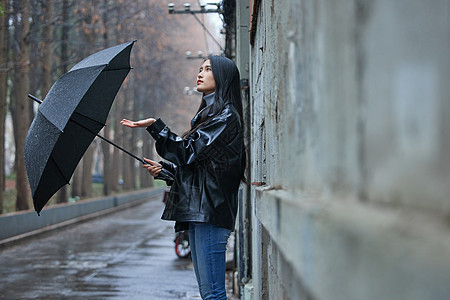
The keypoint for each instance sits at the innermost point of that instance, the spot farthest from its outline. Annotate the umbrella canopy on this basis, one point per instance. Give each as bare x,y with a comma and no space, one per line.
73,112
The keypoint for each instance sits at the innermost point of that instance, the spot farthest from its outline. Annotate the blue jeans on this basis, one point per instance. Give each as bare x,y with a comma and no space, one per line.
208,246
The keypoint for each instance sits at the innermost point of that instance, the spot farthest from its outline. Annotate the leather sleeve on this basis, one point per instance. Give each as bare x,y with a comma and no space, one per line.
166,176
206,143
167,173
170,167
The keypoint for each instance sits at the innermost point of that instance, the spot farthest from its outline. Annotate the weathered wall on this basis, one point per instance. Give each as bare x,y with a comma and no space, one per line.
350,123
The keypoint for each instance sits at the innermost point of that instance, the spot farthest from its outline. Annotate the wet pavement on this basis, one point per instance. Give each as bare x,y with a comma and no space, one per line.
124,255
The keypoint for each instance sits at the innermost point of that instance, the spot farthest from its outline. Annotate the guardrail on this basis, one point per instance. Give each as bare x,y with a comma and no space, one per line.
15,226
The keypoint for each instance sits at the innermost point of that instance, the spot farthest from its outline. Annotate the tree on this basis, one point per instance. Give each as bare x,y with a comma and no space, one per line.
86,179
3,90
90,26
64,36
47,64
106,148
22,106
64,28
47,46
128,162
118,107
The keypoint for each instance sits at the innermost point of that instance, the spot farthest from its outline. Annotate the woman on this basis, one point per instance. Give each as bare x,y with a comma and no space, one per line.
204,169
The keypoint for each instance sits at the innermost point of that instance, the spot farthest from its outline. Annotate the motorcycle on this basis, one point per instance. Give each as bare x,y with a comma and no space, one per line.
182,248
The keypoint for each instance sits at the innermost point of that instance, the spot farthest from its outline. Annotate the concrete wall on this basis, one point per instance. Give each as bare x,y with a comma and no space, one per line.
350,120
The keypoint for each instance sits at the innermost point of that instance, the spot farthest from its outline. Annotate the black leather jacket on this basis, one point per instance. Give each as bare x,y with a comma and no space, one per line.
204,170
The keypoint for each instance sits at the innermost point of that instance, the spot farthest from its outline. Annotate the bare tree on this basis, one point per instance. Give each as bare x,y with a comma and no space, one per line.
146,179
86,179
22,106
47,46
3,89
115,166
64,36
47,65
106,148
118,106
128,162
91,26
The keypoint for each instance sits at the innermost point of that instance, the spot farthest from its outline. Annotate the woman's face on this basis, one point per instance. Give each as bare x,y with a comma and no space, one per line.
205,79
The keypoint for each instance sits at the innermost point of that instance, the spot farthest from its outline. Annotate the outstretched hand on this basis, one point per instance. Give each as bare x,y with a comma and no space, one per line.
153,167
140,123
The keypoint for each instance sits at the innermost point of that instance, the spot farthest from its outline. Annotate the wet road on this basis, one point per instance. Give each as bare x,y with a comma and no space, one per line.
125,255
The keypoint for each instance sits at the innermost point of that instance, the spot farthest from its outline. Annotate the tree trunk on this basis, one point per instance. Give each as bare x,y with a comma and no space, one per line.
63,193
118,106
86,180
115,171
127,143
3,89
15,77
65,37
147,151
22,107
106,163
133,136
89,28
47,45
76,181
47,63
35,52
106,148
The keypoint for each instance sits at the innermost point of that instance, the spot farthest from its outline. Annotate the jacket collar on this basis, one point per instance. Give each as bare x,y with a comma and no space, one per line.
209,99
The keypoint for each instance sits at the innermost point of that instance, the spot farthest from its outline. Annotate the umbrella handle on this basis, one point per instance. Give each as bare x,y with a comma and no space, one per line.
35,99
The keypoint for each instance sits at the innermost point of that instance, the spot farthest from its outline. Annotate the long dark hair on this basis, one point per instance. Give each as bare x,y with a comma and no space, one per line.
228,91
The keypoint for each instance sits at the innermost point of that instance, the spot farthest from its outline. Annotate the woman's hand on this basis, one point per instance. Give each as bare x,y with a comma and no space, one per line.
153,167
140,123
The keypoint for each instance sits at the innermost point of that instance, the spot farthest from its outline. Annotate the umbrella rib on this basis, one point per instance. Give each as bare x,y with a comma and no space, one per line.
119,69
89,118
60,172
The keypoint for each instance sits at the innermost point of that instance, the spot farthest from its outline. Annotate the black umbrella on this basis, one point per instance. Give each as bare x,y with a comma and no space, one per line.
71,115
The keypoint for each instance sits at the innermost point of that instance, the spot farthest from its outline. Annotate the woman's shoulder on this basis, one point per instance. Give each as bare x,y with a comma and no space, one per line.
229,112
228,115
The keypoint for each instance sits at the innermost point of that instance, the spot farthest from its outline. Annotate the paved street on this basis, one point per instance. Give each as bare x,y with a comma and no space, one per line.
125,255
